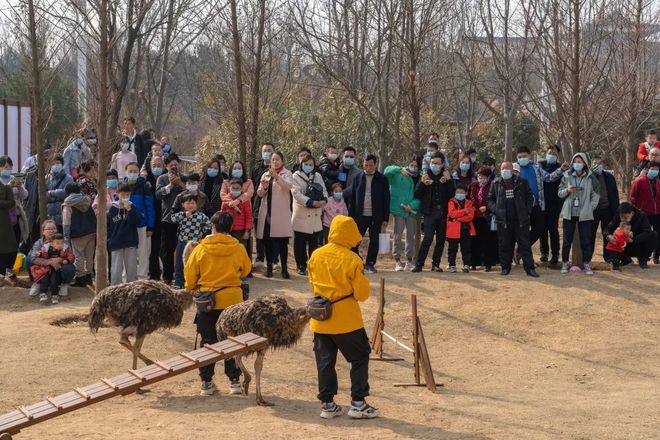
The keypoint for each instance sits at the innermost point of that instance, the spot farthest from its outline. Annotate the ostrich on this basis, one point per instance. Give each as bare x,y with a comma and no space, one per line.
139,308
268,316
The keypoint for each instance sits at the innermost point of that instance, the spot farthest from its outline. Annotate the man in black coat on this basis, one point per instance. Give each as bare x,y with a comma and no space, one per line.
644,239
369,205
553,205
511,200
608,203
136,142
329,167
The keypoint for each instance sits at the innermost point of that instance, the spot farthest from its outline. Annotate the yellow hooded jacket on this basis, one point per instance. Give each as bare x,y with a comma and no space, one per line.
218,261
336,271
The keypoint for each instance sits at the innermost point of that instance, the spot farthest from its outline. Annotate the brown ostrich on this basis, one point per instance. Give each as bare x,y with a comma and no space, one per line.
268,316
139,308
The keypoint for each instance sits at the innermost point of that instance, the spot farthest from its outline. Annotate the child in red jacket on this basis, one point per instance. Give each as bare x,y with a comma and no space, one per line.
54,255
241,213
645,148
460,229
615,253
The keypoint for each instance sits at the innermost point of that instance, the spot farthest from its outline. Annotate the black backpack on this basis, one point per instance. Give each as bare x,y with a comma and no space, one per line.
314,190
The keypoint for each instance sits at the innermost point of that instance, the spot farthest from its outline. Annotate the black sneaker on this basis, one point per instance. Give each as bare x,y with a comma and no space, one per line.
488,269
436,268
554,259
505,271
643,264
532,273
656,260
544,258
416,268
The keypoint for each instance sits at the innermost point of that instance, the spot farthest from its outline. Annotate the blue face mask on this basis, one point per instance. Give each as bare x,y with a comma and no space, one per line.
78,142
578,166
307,168
483,181
157,171
652,174
459,196
126,201
212,172
56,169
523,161
111,183
235,193
236,173
132,176
598,169
338,195
192,187
551,158
507,174
413,171
5,173
465,167
435,168
350,161
167,148
266,155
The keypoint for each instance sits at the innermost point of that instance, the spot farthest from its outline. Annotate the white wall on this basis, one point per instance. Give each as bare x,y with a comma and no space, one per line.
15,132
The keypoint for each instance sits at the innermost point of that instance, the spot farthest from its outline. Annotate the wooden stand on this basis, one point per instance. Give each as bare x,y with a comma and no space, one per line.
379,330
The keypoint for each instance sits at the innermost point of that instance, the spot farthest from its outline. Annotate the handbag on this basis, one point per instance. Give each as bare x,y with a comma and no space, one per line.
383,243
320,307
314,190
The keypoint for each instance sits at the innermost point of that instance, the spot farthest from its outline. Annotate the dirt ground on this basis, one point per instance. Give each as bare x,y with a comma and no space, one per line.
569,356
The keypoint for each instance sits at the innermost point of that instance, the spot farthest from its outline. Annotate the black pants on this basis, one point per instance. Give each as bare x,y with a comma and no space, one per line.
508,235
277,247
168,244
435,225
364,224
602,217
642,245
585,228
551,229
484,246
51,282
616,258
206,322
354,346
303,246
7,261
466,243
655,225
154,256
537,223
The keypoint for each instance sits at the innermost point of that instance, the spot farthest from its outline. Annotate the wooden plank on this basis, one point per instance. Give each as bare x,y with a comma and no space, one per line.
190,358
136,374
109,383
413,302
25,412
83,394
212,348
163,366
238,341
425,360
53,402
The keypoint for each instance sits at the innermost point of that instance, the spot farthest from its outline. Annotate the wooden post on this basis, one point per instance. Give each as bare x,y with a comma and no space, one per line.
413,301
379,328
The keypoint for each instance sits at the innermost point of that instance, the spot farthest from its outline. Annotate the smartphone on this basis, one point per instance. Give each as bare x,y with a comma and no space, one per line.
18,175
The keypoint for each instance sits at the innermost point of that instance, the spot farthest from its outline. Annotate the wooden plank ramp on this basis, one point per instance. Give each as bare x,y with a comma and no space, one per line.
126,383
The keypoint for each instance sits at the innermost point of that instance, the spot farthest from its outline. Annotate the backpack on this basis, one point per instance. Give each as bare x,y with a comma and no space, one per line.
314,190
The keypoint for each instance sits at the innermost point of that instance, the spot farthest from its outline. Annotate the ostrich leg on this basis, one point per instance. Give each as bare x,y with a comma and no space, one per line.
126,343
246,375
138,350
258,364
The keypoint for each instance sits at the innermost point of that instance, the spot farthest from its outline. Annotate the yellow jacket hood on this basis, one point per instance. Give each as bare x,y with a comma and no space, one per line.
344,232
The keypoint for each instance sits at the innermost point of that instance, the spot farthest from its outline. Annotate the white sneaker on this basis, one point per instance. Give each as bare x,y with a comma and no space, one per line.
331,410
276,267
363,412
564,268
43,298
399,267
34,290
235,387
257,264
55,299
452,269
64,290
207,388
587,269
410,266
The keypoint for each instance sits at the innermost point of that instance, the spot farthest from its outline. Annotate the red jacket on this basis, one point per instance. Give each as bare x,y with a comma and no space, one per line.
641,195
457,215
243,219
621,241
38,271
642,153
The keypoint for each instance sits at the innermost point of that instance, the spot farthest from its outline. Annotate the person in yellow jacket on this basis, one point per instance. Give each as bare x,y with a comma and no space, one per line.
337,273
217,265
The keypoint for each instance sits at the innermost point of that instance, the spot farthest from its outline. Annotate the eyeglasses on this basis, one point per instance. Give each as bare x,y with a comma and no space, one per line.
346,157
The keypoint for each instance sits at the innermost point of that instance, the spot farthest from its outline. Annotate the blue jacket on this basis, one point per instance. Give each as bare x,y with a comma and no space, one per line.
143,200
74,155
54,199
122,227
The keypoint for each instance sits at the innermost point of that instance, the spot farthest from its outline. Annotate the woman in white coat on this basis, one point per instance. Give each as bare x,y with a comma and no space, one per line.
307,212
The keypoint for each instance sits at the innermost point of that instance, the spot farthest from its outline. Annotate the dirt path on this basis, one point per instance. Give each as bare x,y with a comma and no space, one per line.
572,357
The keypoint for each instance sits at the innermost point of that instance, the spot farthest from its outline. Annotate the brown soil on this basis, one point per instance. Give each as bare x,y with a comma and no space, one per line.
564,356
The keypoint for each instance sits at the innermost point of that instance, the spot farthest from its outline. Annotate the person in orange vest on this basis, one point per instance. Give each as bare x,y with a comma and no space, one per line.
460,229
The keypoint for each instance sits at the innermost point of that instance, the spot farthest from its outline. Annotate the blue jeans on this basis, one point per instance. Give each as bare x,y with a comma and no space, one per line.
178,264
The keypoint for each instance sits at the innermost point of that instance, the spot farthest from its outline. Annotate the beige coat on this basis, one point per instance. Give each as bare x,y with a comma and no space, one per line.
280,223
306,220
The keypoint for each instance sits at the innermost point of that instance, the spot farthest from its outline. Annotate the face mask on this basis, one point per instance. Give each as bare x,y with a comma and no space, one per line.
157,171
507,174
222,167
235,193
598,169
338,195
307,168
111,183
473,159
124,147
412,170
132,176
167,148
652,174
5,173
332,156
435,168
523,161
483,181
126,201
266,155
350,161
56,169
78,142
91,141
212,172
578,166
236,173
459,196
191,187
464,167
551,158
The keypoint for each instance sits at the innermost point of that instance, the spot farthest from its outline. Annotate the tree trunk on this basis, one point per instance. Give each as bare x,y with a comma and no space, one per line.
508,136
256,86
164,73
238,72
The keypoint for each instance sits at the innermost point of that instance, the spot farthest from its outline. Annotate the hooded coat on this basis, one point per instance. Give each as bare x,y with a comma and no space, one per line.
334,272
588,196
217,264
142,198
78,219
55,194
402,192
38,271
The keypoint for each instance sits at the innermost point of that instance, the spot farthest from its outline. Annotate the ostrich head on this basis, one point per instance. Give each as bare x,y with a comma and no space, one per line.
184,297
300,319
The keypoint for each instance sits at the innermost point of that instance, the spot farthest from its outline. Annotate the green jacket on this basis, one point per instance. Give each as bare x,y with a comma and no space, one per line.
402,192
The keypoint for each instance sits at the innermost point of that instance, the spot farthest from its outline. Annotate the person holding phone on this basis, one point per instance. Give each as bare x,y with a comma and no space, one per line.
580,194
